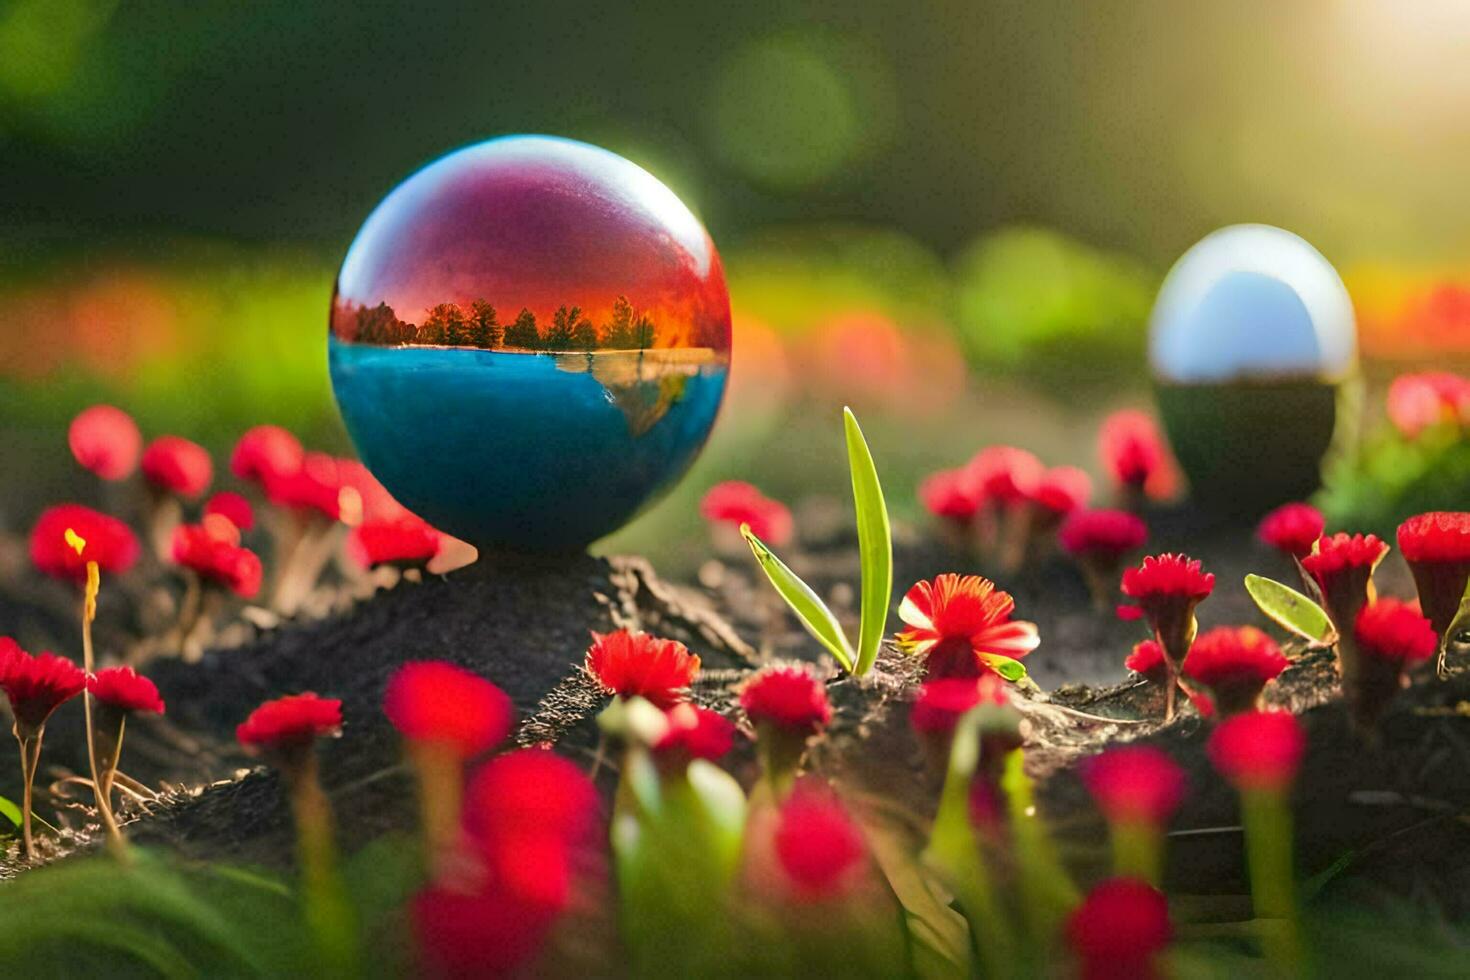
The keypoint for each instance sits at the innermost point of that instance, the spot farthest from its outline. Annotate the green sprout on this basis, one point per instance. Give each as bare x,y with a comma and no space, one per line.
875,551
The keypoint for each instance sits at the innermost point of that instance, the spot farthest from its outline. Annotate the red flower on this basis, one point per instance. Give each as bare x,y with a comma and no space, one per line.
233,508
485,933
530,791
37,686
1104,534
1136,455
529,810
1258,750
124,689
695,733
1168,587
736,503
1343,566
1292,528
290,723
316,486
961,624
106,441
817,843
630,665
178,466
106,540
265,453
212,550
1437,547
1062,490
1135,784
1235,663
952,495
1391,637
1005,475
406,542
1147,659
942,703
790,698
434,701
1119,929
1420,401
1392,630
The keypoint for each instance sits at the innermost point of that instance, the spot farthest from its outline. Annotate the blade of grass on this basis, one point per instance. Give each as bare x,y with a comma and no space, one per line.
1289,609
809,608
875,545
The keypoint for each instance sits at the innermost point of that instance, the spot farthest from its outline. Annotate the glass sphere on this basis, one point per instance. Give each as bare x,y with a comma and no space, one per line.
1251,339
529,341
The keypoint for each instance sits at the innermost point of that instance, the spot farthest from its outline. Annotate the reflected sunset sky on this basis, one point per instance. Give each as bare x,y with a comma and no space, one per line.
540,222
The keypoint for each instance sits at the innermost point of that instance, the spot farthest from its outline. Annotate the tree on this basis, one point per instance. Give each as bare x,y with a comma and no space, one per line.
378,325
563,326
446,324
618,334
584,335
644,333
484,327
522,333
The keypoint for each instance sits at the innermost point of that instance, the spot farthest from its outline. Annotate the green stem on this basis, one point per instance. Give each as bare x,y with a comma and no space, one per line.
1138,851
440,776
1268,842
328,912
30,758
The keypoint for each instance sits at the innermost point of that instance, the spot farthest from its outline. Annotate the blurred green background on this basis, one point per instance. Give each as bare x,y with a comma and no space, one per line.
952,215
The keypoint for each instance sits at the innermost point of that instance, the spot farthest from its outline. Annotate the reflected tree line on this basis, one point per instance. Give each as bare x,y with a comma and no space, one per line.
479,325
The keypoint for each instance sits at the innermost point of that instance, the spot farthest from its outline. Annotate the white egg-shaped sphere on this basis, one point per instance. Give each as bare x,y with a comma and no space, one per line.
1251,339
1252,302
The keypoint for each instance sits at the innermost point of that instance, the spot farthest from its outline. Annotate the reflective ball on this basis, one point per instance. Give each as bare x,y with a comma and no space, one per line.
529,342
1251,340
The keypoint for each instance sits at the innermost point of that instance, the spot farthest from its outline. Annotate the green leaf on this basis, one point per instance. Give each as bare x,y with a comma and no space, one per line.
1461,622
875,545
809,608
1011,670
10,811
1289,609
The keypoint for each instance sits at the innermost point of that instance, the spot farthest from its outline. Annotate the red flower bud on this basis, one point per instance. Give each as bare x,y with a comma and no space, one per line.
266,453
960,623
1391,636
1005,475
629,664
289,723
1420,401
1104,535
435,701
789,698
1258,750
941,703
1343,566
1119,929
1437,547
1292,529
817,843
233,508
106,441
695,733
1235,663
1135,784
406,541
736,503
1147,659
1136,455
178,466
36,685
212,550
106,540
1060,491
952,495
125,690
